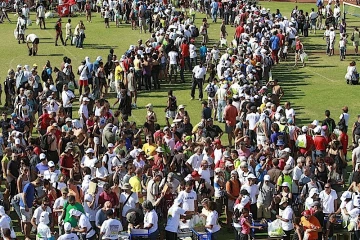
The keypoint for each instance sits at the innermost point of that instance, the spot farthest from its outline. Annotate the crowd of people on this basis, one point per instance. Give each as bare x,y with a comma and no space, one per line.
97,174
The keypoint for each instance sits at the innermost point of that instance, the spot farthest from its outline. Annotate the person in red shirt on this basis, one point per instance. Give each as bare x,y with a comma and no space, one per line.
185,53
320,143
309,143
230,114
238,31
298,50
66,162
44,122
108,195
344,139
281,37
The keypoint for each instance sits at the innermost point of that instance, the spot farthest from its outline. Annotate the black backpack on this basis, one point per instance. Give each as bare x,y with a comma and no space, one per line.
342,121
44,75
195,32
173,104
44,145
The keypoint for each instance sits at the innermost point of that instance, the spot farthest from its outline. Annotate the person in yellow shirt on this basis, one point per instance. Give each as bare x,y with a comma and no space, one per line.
135,183
149,148
119,72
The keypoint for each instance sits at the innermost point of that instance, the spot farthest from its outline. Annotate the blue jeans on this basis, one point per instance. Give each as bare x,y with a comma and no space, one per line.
214,14
154,235
80,40
221,107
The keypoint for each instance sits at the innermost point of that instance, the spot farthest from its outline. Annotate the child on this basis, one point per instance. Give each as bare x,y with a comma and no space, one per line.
68,32
285,51
215,54
246,225
208,58
342,46
330,226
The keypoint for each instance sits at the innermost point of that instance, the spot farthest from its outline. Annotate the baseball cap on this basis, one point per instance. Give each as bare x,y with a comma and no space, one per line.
51,164
42,156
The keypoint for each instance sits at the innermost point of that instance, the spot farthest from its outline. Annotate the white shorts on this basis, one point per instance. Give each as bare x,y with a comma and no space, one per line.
170,114
25,216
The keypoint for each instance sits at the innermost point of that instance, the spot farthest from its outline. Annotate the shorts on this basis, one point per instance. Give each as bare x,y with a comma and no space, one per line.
83,83
173,69
26,216
36,41
229,129
141,22
170,114
356,43
103,81
106,20
90,81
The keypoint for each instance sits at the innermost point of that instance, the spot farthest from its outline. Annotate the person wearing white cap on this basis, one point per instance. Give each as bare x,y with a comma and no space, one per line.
6,223
84,226
43,165
52,174
108,158
43,229
253,191
265,198
175,212
83,110
320,143
314,194
68,234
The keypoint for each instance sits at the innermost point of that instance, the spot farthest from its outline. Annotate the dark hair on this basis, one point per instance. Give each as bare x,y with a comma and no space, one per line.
71,198
327,113
212,206
109,213
87,170
106,186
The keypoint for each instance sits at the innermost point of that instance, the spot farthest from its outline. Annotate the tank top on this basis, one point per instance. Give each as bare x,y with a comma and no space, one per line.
77,176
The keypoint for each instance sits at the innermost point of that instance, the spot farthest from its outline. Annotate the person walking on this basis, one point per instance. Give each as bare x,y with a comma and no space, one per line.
40,13
230,114
355,39
275,45
79,32
199,73
58,32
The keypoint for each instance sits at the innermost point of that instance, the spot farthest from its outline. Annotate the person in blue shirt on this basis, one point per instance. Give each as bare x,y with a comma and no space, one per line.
260,169
203,51
26,204
275,45
214,9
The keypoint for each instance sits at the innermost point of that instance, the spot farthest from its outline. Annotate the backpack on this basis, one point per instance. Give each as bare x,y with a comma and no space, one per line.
268,61
44,145
195,32
339,163
211,90
44,75
173,104
318,185
342,121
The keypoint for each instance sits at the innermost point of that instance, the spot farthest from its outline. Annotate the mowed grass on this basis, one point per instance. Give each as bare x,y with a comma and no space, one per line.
311,90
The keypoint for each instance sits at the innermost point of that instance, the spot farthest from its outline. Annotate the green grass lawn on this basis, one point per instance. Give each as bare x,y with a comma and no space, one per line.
311,90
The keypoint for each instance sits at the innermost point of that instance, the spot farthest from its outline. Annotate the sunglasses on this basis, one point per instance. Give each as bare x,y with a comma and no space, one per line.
327,187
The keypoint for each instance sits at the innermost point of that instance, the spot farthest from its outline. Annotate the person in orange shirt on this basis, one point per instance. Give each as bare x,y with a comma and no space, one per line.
230,114
74,190
311,225
233,187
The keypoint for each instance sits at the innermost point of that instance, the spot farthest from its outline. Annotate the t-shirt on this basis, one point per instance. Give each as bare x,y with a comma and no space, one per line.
83,72
212,219
29,191
68,236
38,212
309,224
59,202
83,110
287,214
296,176
5,222
188,200
31,37
173,218
111,228
173,57
43,231
327,201
151,218
253,118
52,176
84,222
131,203
290,113
68,218
102,173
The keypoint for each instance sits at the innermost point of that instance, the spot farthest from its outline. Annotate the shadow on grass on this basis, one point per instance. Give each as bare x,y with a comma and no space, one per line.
98,46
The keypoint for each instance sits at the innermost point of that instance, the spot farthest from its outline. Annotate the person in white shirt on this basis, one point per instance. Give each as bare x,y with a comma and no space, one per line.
84,226
128,200
328,199
297,172
289,112
35,220
68,234
83,71
346,117
34,41
194,162
40,13
193,54
204,171
43,230
199,73
108,158
251,119
173,61
150,220
101,174
175,213
52,174
212,221
188,197
286,216
83,111
91,204
220,97
67,97
111,227
215,55
253,189
332,36
6,223
59,205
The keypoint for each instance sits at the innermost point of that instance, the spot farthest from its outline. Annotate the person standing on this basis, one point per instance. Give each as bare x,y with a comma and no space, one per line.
79,32
68,32
111,227
40,13
83,72
199,73
34,41
355,37
230,114
58,32
26,204
173,63
286,217
275,45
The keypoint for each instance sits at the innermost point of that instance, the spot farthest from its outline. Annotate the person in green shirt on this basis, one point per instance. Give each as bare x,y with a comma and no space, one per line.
284,177
71,204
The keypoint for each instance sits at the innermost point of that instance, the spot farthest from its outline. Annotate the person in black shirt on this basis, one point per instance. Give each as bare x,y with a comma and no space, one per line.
5,125
13,173
330,226
206,111
329,122
213,131
319,215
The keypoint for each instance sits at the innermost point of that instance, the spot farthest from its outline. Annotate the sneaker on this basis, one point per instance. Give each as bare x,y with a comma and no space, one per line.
191,98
